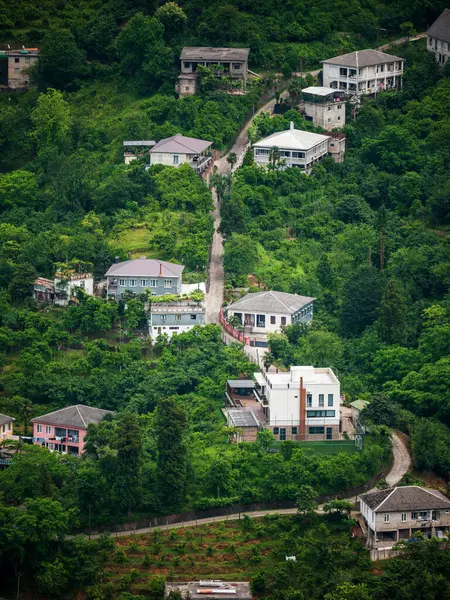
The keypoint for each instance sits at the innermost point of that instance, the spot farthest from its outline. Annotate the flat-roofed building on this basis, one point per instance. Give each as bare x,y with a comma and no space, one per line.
132,150
363,72
301,404
213,589
178,316
324,106
19,63
233,63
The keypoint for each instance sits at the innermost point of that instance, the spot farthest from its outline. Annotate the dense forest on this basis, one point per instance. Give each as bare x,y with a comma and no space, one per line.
368,238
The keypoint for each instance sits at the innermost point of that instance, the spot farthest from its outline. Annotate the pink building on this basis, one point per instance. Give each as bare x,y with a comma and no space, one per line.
64,430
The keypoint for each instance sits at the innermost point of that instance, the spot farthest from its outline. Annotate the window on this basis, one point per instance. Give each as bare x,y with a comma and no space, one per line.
48,429
329,108
436,515
330,399
27,59
339,118
153,283
236,66
321,400
163,317
419,515
273,320
176,158
403,517
186,88
193,317
332,145
176,328
60,432
187,65
339,106
313,414
39,428
298,155
329,433
380,69
122,282
9,426
260,320
316,430
3,428
17,60
387,518
308,399
132,282
177,317
275,431
343,72
282,434
283,320
294,431
329,120
73,434
260,151
167,283
144,282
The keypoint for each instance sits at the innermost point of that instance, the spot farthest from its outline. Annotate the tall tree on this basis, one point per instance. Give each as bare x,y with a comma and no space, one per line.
128,443
61,62
171,426
392,319
362,296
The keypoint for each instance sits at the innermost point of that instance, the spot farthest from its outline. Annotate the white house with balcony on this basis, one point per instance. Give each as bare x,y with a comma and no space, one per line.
179,149
302,404
397,514
363,72
293,148
438,38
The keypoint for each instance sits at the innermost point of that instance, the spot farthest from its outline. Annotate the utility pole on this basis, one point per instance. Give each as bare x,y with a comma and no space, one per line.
18,585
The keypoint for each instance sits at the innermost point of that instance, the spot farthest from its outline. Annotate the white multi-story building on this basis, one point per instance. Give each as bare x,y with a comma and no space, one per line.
438,37
363,72
66,284
303,404
324,106
294,148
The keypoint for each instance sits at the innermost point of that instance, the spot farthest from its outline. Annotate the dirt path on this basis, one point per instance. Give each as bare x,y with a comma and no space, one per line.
402,462
402,40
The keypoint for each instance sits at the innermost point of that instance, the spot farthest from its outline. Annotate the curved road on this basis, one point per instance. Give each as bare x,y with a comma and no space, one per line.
401,464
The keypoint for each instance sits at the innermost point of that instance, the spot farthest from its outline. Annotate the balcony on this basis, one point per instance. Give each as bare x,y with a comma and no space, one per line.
200,163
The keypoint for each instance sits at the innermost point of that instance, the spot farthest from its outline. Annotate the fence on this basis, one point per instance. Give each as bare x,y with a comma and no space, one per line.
238,335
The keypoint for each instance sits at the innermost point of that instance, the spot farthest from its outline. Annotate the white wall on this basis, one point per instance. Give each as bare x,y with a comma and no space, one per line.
440,49
270,327
87,284
328,116
169,330
166,158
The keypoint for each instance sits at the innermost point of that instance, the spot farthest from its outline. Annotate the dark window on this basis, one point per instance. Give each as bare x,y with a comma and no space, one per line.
282,434
260,320
330,399
308,399
16,60
273,320
343,72
321,400
329,433
193,317
275,430
311,414
60,432
236,65
316,430
187,65
294,431
283,320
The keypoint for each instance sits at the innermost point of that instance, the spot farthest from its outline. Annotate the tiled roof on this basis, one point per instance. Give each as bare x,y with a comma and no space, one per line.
365,58
5,419
145,267
271,302
441,27
403,498
180,144
78,415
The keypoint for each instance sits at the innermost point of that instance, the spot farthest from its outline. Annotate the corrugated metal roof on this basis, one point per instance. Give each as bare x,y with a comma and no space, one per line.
241,383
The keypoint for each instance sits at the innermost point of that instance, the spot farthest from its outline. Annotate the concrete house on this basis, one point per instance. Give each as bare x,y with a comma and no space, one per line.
178,150
64,430
19,61
214,590
6,427
438,37
233,60
141,274
399,513
66,284
132,150
175,317
363,72
267,312
296,148
303,404
324,106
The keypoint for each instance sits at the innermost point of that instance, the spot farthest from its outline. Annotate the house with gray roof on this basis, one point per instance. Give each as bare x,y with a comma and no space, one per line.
438,37
233,62
6,426
141,274
267,312
364,72
178,149
398,513
64,430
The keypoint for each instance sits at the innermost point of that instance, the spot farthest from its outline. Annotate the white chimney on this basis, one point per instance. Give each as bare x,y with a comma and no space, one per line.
291,125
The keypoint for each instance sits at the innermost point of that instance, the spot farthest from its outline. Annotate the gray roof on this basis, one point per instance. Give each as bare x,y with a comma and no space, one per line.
179,144
78,415
366,58
241,383
145,267
410,497
318,90
441,27
140,143
5,419
242,418
220,54
271,302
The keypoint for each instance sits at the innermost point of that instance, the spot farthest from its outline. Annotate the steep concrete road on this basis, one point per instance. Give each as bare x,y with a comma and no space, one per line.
402,460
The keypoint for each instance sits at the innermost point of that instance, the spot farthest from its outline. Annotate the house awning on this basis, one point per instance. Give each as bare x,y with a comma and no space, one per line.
241,383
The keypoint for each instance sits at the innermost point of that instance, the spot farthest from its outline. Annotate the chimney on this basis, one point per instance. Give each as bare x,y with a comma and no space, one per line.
302,428
116,259
160,269
291,125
